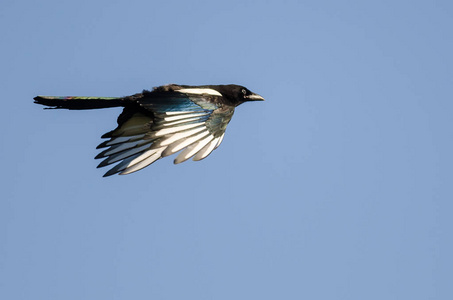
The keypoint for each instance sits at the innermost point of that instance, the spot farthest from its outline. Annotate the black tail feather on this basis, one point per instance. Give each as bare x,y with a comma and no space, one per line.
79,102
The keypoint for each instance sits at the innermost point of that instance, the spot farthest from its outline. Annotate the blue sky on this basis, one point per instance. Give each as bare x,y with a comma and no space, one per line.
338,186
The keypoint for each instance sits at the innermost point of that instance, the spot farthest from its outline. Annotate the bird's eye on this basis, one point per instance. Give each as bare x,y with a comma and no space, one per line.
244,91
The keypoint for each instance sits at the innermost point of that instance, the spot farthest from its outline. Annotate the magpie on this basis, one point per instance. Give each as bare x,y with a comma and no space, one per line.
158,123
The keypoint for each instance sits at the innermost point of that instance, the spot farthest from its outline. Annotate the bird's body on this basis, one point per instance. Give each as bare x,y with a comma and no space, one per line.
161,122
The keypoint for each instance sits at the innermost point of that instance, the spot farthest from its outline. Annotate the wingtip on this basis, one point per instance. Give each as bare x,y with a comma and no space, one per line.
102,145
110,173
177,162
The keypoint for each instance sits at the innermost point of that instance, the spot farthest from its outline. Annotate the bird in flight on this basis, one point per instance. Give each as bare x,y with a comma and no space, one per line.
158,123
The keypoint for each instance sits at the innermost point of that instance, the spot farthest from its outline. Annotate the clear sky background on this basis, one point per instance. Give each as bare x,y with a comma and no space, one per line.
338,186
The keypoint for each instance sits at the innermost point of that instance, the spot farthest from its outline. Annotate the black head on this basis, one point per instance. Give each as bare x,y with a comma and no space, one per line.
237,94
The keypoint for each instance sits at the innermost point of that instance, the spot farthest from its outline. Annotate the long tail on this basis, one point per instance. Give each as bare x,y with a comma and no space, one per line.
79,102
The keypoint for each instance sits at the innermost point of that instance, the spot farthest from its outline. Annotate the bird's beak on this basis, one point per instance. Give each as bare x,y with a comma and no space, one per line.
254,97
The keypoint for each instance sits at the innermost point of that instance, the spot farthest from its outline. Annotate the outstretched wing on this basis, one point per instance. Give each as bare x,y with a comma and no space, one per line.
163,124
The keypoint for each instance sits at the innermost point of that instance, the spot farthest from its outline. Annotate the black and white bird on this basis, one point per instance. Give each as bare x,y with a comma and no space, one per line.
161,122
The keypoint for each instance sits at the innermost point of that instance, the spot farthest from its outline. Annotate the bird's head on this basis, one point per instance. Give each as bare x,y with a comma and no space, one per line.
238,94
